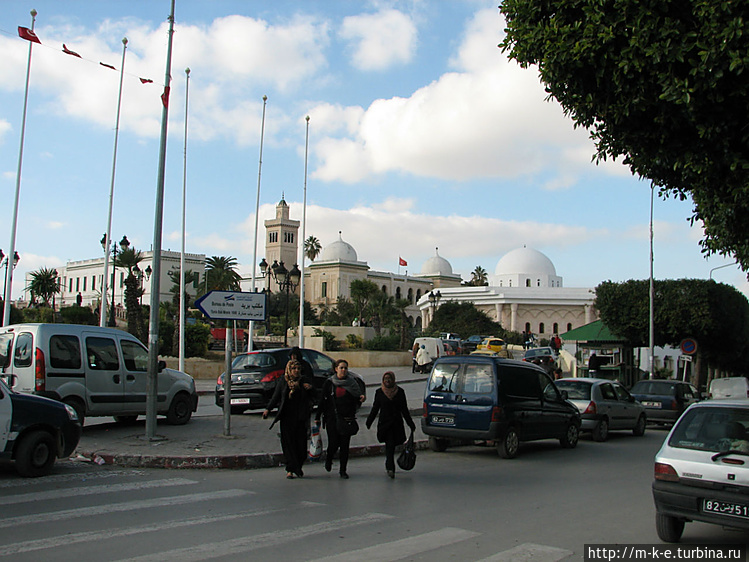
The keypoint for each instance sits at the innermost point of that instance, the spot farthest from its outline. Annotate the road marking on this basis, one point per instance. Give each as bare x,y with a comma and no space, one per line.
120,507
403,548
97,536
91,490
529,552
264,540
16,483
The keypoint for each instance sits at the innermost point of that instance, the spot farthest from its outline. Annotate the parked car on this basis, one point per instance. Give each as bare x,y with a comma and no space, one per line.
664,400
452,347
449,336
492,399
604,405
472,342
35,431
729,387
495,344
702,471
98,371
435,347
254,376
486,353
542,356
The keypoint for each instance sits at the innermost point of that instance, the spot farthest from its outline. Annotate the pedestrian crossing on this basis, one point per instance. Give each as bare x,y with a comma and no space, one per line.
141,516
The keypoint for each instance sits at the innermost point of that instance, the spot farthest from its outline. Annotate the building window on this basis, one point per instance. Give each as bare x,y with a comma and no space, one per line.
273,237
538,282
84,283
527,282
397,292
122,279
77,283
418,295
324,289
93,282
569,326
288,237
70,285
541,328
411,295
556,328
384,290
500,282
509,283
528,327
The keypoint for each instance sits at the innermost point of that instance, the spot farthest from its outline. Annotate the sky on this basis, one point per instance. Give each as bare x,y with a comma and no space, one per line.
422,135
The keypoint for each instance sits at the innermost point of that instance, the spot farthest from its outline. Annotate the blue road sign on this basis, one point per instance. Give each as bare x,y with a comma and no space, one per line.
234,305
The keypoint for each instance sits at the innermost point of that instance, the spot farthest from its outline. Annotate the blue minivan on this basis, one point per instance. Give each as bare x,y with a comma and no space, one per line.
480,398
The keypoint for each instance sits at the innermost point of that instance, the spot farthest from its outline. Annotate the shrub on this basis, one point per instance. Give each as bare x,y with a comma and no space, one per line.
330,343
354,341
383,343
79,315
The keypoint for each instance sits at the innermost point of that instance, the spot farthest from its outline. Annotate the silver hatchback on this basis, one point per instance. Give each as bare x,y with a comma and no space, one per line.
604,405
702,469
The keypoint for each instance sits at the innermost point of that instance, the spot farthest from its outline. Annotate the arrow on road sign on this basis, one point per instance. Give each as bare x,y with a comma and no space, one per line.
233,305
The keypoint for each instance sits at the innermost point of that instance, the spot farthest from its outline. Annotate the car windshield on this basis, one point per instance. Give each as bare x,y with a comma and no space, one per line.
251,360
538,352
576,390
444,377
654,387
713,429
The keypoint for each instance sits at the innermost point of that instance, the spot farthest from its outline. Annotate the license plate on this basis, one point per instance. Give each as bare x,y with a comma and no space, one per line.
240,401
651,404
726,508
443,420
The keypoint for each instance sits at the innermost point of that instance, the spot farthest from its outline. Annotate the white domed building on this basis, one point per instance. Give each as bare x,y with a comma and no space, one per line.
525,293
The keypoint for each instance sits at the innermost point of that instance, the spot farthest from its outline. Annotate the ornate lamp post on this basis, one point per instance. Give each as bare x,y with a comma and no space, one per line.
434,302
4,262
124,245
286,281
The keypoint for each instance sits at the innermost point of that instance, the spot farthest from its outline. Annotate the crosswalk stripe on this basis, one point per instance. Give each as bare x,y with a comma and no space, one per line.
397,550
17,483
119,507
529,552
92,490
264,540
96,536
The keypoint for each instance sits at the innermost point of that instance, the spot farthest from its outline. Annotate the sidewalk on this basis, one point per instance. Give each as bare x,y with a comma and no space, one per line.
201,443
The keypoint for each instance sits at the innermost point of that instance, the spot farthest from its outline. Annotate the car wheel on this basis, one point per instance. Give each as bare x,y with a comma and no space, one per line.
571,436
78,406
36,454
180,411
125,420
639,429
601,430
237,410
437,445
508,446
669,528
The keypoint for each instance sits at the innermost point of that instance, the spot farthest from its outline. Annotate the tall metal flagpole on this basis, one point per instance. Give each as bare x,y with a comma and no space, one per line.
153,328
182,254
108,235
257,212
9,270
304,238
652,290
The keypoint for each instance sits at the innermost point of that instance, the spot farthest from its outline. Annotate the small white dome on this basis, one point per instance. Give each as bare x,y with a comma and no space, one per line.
525,261
339,251
437,265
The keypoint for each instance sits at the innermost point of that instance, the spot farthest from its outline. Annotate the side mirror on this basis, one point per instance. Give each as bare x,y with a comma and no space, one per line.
564,394
162,365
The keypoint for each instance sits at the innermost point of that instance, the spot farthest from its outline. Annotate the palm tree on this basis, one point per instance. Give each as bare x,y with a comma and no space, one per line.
312,248
221,274
44,284
128,259
479,277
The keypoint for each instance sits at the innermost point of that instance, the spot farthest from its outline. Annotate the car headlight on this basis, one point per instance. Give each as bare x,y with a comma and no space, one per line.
72,414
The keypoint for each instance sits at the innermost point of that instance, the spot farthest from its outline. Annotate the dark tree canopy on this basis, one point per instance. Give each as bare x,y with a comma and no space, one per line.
662,83
715,314
463,319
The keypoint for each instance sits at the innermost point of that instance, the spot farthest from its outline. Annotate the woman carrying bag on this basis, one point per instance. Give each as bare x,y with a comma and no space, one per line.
342,394
391,405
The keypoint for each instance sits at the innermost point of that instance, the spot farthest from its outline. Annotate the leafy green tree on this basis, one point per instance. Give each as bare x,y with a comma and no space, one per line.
715,314
129,259
659,83
79,315
312,248
362,292
464,319
342,314
44,285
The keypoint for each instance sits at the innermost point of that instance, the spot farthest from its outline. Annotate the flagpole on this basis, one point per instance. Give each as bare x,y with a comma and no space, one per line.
153,327
108,235
304,238
14,227
257,212
182,254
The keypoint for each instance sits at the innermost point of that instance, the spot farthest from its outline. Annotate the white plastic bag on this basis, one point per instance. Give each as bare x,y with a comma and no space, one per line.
315,442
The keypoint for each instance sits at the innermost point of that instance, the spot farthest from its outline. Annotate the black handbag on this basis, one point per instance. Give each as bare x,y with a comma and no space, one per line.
346,426
407,458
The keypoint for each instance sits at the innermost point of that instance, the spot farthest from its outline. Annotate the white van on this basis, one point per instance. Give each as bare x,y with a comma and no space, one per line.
98,371
729,387
434,346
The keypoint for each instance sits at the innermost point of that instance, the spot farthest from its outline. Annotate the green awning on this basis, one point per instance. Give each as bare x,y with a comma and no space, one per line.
593,332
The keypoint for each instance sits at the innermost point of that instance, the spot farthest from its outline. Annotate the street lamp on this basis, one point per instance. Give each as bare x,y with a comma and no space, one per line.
55,288
4,262
124,245
434,302
286,281
139,275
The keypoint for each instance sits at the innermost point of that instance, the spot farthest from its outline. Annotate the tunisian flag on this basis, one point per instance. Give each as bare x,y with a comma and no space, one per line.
401,261
26,33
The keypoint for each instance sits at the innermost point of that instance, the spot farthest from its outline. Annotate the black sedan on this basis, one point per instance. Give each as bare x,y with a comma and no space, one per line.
254,376
35,431
665,400
542,356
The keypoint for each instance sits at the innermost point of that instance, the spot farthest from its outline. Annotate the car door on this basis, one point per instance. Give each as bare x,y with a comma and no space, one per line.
521,392
441,395
609,405
6,415
629,408
556,411
135,383
476,396
104,385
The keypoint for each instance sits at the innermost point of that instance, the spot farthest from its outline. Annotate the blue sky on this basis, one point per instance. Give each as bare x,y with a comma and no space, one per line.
422,135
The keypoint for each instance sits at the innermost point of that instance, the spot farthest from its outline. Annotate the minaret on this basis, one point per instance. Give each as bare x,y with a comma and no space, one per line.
282,237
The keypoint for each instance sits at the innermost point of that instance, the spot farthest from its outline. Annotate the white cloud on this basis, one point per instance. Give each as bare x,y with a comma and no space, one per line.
5,128
380,40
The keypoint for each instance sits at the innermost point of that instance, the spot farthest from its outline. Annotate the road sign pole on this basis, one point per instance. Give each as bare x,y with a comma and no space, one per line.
227,387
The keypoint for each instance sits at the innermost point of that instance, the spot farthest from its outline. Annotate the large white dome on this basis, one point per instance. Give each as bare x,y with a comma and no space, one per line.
338,251
525,261
437,265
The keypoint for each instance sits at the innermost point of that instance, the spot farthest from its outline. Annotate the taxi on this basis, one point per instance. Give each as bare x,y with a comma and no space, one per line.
498,345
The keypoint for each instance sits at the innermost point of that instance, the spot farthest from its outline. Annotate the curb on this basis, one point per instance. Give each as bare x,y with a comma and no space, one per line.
248,461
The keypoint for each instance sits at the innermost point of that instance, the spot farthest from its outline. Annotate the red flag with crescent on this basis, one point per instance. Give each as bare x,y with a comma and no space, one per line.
29,35
401,261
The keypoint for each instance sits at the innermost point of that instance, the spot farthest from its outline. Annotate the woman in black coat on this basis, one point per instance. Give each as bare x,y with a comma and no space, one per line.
342,394
390,402
293,396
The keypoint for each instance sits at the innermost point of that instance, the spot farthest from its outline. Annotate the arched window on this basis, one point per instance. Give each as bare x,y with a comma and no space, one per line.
541,328
556,328
569,326
384,290
527,282
411,295
538,282
418,295
397,292
527,326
